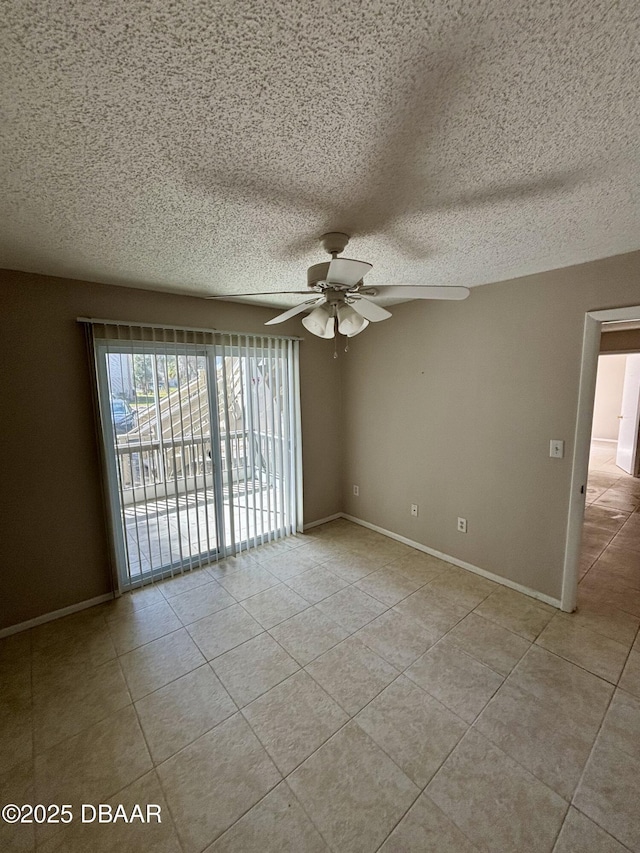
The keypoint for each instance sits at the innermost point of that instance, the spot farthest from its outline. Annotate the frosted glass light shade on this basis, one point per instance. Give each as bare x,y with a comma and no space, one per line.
350,323
320,322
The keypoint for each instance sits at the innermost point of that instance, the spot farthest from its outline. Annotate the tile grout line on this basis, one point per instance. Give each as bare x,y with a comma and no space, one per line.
348,713
626,660
156,764
579,665
595,822
132,701
95,722
352,718
533,696
305,812
566,814
435,805
591,751
332,735
367,735
526,769
154,770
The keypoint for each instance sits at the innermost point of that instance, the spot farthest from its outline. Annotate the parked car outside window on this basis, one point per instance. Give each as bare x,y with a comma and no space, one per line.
123,416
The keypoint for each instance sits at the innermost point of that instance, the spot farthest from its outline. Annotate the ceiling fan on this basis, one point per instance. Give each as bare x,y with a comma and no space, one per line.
342,299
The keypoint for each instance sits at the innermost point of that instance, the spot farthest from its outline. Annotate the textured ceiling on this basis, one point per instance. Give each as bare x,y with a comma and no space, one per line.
203,146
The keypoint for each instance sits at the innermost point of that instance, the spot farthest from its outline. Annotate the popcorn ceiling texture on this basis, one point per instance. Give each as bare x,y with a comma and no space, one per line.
201,147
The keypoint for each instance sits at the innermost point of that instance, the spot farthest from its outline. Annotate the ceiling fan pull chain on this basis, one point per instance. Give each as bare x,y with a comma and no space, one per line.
335,347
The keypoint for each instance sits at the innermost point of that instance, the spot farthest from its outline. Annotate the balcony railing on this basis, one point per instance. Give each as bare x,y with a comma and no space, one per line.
155,468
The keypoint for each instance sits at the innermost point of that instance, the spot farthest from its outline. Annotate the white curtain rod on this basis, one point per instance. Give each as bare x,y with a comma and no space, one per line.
99,322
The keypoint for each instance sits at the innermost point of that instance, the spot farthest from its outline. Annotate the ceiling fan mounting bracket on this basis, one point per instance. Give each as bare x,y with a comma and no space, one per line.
334,242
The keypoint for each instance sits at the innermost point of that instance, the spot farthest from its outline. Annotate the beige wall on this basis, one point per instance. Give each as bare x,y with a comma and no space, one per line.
452,406
53,546
448,405
608,401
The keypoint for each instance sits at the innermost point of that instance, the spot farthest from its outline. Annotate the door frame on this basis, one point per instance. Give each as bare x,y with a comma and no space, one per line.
582,442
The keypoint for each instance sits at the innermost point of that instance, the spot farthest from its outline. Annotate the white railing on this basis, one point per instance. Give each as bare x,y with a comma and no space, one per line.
154,468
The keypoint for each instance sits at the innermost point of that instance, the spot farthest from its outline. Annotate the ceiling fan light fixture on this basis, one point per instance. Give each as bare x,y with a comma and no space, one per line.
320,322
350,323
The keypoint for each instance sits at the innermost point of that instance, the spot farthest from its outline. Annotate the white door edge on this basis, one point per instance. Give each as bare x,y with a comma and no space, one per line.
626,450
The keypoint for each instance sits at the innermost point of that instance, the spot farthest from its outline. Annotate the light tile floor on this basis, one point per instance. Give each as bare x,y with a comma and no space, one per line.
340,691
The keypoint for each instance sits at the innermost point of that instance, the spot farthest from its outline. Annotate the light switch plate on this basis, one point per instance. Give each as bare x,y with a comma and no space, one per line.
556,448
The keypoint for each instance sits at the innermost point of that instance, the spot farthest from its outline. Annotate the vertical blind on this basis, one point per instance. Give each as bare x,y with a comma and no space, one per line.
200,433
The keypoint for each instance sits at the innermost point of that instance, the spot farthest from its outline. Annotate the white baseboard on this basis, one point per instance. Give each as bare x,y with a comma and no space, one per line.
100,599
323,520
547,599
55,614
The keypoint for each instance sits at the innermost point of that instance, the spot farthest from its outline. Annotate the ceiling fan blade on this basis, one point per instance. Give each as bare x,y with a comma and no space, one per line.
418,291
266,293
298,309
369,310
347,272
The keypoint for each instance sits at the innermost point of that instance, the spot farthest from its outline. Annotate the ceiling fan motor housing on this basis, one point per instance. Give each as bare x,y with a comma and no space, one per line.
318,277
317,274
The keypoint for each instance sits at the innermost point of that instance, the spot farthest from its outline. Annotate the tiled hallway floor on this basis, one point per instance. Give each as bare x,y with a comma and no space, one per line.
340,691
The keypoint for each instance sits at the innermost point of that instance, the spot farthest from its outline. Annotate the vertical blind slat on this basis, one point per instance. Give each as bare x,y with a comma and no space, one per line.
185,459
265,436
109,430
252,431
171,544
131,471
204,418
152,462
175,535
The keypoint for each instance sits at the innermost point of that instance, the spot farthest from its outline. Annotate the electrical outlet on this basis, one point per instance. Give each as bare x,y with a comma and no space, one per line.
462,525
414,510
356,491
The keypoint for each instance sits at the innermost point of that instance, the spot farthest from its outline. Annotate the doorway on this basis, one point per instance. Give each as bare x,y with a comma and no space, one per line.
603,496
616,413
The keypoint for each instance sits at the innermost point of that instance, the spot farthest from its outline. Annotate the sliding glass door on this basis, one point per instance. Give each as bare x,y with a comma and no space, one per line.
201,447
256,407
